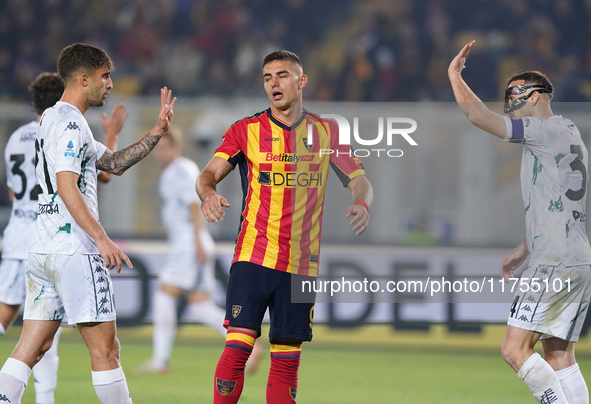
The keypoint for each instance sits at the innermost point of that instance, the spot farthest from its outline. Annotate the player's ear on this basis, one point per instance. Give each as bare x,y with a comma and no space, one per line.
303,81
84,80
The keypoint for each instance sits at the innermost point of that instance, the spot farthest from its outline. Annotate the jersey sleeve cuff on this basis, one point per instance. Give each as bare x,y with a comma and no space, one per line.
509,129
356,173
230,159
346,179
68,169
515,130
100,150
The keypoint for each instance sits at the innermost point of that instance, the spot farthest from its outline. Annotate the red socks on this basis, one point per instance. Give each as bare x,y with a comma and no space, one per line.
229,373
282,385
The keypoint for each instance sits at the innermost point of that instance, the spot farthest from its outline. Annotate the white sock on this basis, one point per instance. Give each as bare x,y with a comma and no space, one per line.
543,383
45,373
111,386
13,380
2,330
207,312
165,326
573,384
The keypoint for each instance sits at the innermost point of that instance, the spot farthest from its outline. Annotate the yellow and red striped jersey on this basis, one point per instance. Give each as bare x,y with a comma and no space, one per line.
284,181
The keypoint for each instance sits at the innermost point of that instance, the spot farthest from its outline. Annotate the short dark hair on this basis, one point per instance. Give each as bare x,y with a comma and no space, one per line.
533,77
81,57
46,90
283,55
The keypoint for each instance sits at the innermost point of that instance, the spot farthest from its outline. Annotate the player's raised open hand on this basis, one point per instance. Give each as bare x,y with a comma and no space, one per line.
113,124
360,219
112,254
212,208
166,109
512,260
459,62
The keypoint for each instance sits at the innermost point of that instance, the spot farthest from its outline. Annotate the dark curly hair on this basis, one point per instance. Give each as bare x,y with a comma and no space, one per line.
46,90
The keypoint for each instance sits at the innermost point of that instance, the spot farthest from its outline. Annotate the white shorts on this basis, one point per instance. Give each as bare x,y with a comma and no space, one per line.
76,288
558,309
12,281
183,271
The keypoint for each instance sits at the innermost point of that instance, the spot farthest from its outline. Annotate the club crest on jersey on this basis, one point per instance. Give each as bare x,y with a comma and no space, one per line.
224,387
72,126
293,392
236,310
308,146
70,150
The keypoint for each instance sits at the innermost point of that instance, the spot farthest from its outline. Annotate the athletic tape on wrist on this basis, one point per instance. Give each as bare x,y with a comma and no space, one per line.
362,203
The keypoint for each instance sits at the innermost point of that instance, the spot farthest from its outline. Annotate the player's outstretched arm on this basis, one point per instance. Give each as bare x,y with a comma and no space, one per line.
112,126
206,187
118,162
67,188
475,110
513,259
362,194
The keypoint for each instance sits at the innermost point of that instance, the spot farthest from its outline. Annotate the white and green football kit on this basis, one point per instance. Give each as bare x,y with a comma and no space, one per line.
177,190
19,156
554,170
66,275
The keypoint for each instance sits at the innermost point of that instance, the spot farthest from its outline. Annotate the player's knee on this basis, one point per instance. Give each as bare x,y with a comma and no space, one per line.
506,354
509,352
46,346
42,349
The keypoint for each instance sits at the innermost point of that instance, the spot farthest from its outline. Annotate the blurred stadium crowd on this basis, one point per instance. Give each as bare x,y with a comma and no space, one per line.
375,50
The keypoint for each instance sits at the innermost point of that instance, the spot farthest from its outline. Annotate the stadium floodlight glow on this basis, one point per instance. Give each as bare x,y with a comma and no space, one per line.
521,89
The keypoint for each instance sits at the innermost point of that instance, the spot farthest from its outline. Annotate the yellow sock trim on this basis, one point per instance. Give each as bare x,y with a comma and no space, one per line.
285,348
238,336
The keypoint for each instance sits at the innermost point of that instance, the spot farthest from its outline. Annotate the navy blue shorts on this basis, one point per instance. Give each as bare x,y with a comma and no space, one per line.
252,288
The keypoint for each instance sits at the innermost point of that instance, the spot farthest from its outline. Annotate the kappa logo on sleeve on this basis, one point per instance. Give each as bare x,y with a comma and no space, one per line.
70,150
72,126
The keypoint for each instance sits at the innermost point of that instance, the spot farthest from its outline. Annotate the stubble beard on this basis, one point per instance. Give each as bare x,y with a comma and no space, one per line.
97,102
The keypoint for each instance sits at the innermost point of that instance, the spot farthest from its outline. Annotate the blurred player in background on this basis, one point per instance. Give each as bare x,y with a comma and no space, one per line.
554,183
23,190
279,236
112,126
67,275
190,266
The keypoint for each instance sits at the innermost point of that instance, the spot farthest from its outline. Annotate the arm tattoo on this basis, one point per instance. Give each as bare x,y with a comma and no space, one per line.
226,171
118,162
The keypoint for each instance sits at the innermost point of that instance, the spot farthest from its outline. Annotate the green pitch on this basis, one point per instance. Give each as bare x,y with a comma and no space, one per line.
331,372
